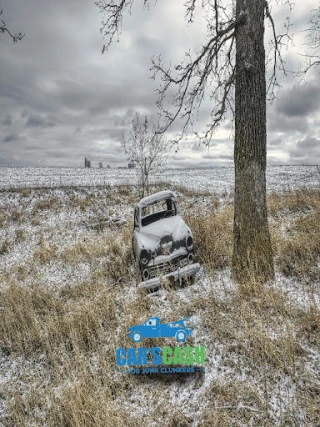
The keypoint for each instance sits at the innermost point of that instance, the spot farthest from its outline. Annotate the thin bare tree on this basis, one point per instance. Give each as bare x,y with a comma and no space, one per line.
230,69
147,149
3,29
312,54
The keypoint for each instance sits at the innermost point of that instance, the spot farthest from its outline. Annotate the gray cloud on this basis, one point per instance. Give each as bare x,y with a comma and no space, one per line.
198,147
61,100
35,120
14,137
300,100
7,121
218,156
309,142
306,151
274,141
281,123
209,156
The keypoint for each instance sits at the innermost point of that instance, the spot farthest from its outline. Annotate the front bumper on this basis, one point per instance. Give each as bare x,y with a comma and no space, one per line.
165,264
187,271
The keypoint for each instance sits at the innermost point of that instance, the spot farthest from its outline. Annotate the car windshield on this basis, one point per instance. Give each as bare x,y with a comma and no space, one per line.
158,210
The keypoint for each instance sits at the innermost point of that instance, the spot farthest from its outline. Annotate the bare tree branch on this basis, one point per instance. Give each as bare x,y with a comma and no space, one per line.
191,79
147,149
279,41
231,63
312,55
183,87
3,29
114,10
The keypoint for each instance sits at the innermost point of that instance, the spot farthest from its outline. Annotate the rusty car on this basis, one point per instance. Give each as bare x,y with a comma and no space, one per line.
163,245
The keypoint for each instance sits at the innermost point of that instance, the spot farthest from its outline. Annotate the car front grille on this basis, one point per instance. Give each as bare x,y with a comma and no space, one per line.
167,266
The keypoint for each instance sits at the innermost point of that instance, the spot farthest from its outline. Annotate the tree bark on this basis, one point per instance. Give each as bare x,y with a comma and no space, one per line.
252,252
147,183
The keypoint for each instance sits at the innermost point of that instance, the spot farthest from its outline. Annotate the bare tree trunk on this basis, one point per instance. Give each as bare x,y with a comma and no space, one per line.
141,182
147,183
252,251
142,185
145,177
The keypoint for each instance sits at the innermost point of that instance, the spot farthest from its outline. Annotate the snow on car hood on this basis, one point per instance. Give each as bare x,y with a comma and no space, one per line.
151,234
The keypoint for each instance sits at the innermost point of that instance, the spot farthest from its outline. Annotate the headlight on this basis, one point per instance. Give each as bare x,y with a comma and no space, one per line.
190,258
144,257
189,243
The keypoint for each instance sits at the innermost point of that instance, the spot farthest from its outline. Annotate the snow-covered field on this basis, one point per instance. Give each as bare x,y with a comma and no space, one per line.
262,352
215,180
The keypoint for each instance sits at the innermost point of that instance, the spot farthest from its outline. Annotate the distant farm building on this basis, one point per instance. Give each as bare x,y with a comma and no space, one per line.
131,165
87,163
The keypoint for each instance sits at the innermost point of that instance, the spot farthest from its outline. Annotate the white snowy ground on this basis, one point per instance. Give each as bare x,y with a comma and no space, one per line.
215,180
70,220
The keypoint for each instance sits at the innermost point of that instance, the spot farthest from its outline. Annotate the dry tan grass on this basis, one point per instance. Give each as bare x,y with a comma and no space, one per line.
20,235
25,192
5,247
36,319
116,250
85,250
298,253
302,200
46,251
77,328
17,215
234,404
80,394
213,238
51,203
35,221
189,193
2,219
308,322
261,330
216,418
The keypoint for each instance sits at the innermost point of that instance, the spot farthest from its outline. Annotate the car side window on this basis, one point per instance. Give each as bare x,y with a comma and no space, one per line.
171,206
151,322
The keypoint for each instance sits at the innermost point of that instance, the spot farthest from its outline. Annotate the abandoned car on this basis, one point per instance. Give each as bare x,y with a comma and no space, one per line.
162,242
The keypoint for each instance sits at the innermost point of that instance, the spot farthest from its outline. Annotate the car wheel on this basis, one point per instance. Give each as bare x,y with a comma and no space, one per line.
137,337
181,336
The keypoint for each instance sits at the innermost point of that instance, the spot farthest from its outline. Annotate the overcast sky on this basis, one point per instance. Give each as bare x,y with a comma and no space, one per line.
61,100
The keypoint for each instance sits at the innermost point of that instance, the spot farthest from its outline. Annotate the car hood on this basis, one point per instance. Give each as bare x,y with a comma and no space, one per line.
151,235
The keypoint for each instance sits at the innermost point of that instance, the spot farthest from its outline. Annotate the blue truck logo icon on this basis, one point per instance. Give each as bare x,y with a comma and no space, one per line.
153,328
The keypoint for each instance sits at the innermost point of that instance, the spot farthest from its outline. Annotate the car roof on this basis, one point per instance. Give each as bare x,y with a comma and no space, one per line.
161,195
